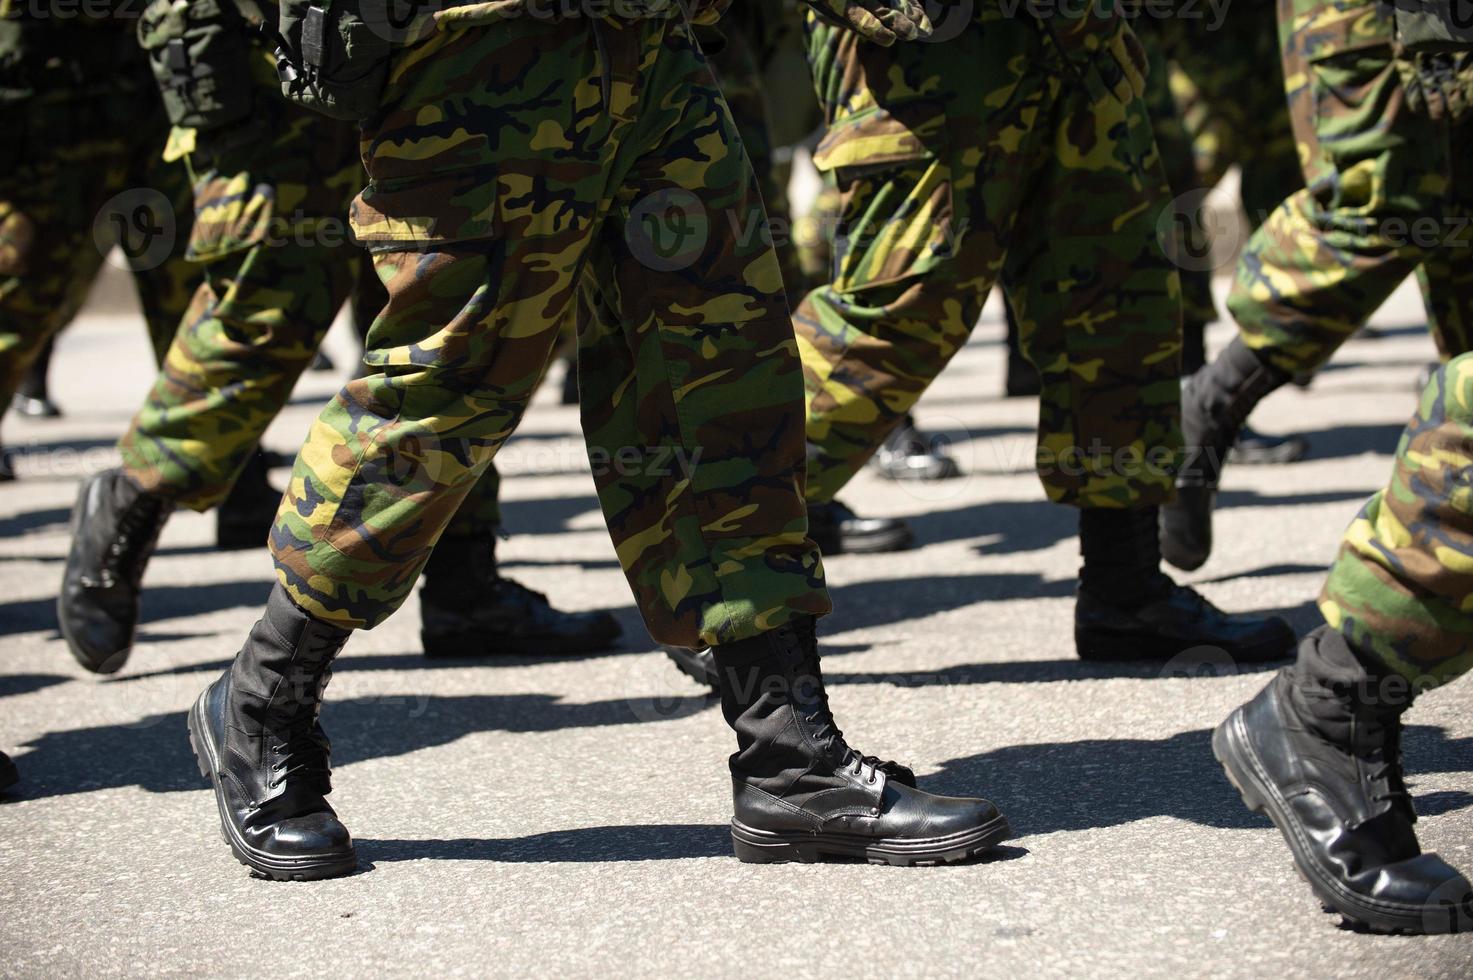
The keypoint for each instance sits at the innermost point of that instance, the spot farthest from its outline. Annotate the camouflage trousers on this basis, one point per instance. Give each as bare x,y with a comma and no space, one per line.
1388,177
59,204
511,162
991,157
1402,587
271,239
1227,82
738,67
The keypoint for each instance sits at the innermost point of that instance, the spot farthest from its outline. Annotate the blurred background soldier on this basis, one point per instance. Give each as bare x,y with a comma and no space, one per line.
81,157
1016,150
272,182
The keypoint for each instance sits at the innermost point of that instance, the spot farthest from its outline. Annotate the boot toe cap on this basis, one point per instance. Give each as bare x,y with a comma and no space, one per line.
310,835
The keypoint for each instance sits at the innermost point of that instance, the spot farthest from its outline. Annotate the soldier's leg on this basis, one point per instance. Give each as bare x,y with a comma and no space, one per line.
458,351
71,163
918,240
1397,607
276,264
1329,255
1099,312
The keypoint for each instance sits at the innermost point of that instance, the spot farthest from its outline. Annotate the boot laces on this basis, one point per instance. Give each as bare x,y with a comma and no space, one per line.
300,743
138,528
511,588
1384,755
827,734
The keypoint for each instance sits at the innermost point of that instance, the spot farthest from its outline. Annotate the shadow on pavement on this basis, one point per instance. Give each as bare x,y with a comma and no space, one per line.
1061,786
1353,440
160,602
30,522
1018,525
154,753
653,842
13,684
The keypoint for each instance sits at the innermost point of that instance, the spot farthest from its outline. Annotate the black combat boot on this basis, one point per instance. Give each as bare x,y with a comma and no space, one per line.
257,739
243,519
115,526
698,665
838,530
907,454
1216,401
9,775
468,610
1128,610
1255,448
801,793
33,400
1318,751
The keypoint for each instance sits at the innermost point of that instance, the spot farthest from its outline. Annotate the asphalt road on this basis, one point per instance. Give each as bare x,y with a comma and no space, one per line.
566,817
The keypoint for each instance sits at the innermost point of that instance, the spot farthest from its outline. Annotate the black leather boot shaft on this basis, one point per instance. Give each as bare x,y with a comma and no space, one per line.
115,526
468,609
256,736
1319,752
800,792
1121,548
1127,609
244,518
1216,401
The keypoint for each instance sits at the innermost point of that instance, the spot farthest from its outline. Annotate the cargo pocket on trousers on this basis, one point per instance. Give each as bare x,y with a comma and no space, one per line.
893,173
232,213
419,211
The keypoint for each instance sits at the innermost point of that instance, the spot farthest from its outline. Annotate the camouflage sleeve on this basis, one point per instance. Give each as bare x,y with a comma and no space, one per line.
1402,586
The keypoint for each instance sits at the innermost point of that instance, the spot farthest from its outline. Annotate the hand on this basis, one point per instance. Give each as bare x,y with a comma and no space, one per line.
881,21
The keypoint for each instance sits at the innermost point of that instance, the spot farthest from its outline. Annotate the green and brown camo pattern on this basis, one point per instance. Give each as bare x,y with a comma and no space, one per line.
1378,166
1227,81
1402,587
510,165
82,132
270,236
996,156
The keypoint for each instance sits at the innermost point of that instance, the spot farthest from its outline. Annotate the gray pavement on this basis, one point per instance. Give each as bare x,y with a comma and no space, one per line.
566,817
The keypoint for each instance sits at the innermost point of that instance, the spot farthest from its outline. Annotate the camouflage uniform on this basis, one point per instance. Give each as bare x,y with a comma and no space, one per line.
270,237
1227,83
512,160
1384,140
1402,587
83,124
1017,151
743,49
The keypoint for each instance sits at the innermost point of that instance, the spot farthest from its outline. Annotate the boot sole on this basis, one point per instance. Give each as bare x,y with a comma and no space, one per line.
1135,646
304,868
465,646
1241,765
764,847
112,663
878,544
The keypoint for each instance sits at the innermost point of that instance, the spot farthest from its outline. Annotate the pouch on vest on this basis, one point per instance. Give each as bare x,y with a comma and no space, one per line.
200,53
1434,25
335,55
